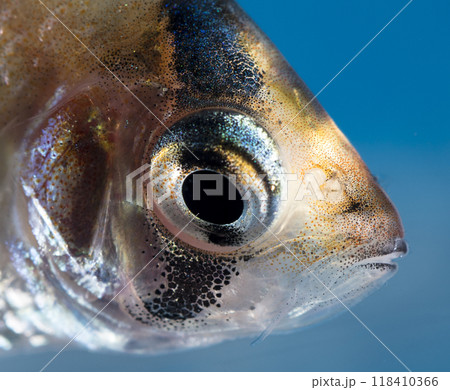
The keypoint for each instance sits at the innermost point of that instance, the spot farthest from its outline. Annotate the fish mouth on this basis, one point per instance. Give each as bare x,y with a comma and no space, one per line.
396,249
348,286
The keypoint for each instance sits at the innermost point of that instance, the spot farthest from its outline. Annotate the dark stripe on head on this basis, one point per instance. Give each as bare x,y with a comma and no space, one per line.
208,57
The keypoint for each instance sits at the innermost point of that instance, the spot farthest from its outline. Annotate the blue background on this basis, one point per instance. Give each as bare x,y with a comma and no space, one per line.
393,103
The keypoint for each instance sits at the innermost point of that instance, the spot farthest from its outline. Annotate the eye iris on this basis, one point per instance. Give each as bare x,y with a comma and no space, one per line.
212,197
232,147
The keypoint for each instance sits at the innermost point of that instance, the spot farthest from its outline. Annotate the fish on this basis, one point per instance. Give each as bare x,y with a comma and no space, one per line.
169,182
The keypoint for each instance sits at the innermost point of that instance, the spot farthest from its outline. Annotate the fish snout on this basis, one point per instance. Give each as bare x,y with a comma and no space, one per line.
366,224
369,216
399,247
382,256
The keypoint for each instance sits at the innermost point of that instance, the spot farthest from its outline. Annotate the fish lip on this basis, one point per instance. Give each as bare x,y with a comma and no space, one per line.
400,247
385,260
381,265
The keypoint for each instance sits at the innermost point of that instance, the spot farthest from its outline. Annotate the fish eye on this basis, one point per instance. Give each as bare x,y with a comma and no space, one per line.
218,172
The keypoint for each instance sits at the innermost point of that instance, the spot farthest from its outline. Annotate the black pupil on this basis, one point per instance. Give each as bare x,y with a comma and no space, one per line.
212,197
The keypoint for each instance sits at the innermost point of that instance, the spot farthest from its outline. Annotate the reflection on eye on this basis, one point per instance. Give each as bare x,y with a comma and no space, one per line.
212,197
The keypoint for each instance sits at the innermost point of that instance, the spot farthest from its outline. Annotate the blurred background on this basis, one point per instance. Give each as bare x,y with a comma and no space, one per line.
392,103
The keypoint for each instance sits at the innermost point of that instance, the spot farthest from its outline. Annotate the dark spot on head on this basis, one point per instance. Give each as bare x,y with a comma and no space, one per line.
355,207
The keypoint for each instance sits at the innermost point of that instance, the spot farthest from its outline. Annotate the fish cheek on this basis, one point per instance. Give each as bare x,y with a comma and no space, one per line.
172,284
188,285
65,171
177,283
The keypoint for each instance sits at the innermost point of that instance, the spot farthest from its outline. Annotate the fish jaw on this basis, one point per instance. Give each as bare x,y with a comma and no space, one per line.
350,287
302,295
399,249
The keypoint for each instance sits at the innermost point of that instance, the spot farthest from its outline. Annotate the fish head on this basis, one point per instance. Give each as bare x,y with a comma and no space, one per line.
311,231
265,228
205,195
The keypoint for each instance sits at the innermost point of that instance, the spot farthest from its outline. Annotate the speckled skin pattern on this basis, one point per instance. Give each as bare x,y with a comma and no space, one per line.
221,98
